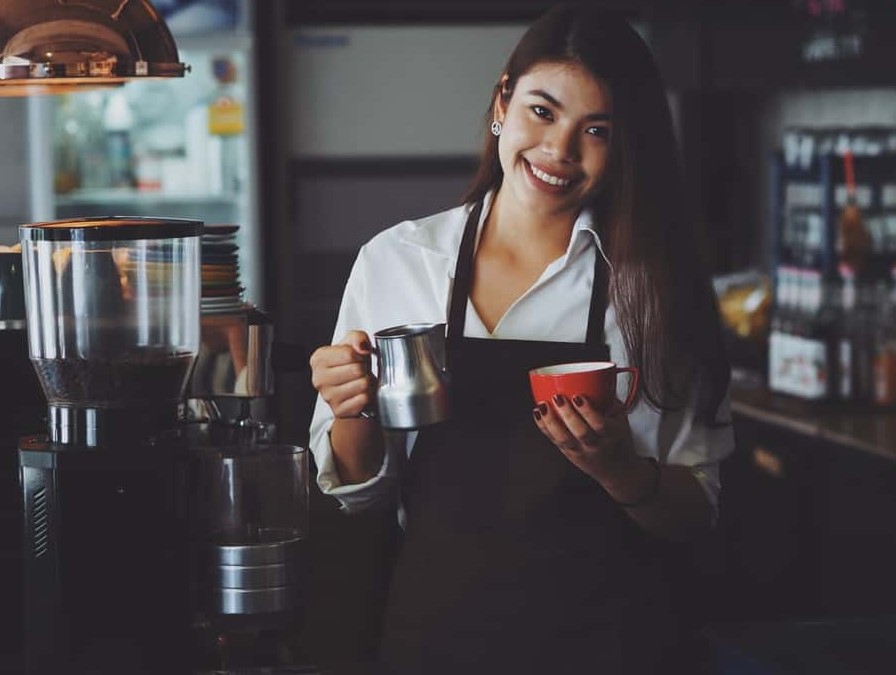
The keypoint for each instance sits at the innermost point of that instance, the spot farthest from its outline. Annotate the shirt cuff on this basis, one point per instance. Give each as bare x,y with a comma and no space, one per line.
357,496
708,477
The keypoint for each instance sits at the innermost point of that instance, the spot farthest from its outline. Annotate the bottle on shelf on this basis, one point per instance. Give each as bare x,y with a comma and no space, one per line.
779,332
825,331
863,342
815,340
853,238
226,121
847,331
805,336
118,120
885,346
94,163
67,145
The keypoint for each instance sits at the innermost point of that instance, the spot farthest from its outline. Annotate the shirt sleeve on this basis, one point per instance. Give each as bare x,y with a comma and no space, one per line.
702,446
377,490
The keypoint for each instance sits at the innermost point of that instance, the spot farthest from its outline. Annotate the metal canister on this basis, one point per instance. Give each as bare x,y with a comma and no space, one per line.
259,577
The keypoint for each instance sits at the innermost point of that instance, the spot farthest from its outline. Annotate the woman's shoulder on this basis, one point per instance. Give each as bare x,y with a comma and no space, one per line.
439,233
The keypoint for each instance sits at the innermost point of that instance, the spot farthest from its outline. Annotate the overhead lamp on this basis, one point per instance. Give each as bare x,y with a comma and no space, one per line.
53,46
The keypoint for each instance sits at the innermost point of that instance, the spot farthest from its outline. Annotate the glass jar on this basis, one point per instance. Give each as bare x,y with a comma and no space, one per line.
112,308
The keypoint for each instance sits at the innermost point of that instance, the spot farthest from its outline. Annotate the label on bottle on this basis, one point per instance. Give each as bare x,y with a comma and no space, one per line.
225,117
885,377
815,369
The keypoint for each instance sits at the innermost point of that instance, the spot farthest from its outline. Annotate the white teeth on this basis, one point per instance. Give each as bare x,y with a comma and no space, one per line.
548,178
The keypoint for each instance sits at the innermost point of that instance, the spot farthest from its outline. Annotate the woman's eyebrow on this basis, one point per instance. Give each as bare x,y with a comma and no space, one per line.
598,117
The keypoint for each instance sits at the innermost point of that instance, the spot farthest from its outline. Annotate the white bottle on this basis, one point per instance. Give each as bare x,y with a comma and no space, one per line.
118,120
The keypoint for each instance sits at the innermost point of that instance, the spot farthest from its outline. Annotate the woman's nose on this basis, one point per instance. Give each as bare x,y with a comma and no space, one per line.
561,144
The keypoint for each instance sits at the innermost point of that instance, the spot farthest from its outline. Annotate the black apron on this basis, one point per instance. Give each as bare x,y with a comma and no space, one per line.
513,560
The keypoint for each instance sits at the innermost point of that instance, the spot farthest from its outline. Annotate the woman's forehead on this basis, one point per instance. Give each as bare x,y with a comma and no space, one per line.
567,81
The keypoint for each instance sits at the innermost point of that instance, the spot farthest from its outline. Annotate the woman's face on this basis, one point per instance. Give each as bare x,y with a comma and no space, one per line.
555,142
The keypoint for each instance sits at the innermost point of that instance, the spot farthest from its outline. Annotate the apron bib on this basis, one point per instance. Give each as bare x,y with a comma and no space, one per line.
513,559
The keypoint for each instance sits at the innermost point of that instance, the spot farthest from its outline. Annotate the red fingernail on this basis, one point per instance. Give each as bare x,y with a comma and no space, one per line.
536,414
577,400
543,408
559,400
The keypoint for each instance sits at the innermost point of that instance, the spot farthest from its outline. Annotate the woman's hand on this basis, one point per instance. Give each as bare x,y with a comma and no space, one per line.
341,374
598,443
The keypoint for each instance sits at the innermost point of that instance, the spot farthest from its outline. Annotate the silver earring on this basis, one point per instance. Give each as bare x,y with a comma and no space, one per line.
496,128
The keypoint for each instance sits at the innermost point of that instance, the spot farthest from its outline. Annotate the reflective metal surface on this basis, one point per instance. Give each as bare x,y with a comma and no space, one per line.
48,46
234,356
413,383
275,552
255,601
257,520
259,577
256,576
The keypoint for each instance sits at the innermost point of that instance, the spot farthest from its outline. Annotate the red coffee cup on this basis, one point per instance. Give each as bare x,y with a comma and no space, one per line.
595,380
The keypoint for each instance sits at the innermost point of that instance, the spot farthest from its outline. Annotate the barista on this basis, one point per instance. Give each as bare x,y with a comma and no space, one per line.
532,537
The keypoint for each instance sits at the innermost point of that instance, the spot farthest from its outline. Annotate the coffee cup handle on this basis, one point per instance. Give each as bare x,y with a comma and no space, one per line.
632,387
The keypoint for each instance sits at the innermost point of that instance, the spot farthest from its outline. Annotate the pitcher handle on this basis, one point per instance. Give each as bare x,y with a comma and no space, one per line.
632,387
371,413
438,347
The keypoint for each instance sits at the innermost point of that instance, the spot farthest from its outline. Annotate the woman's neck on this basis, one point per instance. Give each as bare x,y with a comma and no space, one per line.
526,233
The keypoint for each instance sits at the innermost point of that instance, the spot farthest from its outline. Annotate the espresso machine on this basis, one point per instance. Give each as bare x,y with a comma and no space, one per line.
155,540
232,380
251,494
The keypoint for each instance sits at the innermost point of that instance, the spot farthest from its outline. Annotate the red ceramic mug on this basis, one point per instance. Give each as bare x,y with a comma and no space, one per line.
596,380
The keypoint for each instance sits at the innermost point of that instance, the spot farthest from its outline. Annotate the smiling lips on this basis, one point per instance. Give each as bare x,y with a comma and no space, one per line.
550,179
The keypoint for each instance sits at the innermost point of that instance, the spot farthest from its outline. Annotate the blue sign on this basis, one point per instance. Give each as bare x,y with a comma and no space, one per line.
194,17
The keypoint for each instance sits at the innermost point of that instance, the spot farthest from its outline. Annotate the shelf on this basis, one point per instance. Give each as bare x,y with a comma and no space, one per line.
137,197
878,168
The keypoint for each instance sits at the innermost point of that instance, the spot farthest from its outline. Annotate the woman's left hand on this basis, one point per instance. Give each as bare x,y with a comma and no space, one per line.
598,443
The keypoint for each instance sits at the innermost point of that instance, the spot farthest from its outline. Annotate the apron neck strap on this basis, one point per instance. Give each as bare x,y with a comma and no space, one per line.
463,278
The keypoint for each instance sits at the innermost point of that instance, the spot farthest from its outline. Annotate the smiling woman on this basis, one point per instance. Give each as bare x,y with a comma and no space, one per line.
533,537
555,137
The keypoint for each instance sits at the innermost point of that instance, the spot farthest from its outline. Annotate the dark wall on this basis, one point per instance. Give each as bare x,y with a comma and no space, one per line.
349,201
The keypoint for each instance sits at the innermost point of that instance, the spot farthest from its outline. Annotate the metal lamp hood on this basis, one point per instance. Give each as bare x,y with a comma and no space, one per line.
50,46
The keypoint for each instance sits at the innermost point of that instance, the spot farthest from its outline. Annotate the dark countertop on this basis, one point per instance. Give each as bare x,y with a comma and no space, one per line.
864,428
846,646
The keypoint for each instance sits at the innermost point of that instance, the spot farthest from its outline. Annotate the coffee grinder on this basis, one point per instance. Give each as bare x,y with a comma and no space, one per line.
22,411
113,329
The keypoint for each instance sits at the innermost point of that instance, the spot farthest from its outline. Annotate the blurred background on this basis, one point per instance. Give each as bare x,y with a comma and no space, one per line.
314,125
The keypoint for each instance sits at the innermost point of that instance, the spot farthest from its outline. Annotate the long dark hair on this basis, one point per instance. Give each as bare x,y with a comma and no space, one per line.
660,286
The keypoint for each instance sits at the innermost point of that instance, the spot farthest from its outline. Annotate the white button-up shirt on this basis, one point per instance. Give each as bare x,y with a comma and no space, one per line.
405,275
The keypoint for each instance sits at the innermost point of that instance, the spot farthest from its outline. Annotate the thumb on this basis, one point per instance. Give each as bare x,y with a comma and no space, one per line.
359,341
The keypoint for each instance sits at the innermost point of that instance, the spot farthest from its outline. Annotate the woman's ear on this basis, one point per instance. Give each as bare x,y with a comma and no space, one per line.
502,97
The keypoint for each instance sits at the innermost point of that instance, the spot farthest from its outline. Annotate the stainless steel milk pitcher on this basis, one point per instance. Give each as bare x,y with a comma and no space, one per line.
413,380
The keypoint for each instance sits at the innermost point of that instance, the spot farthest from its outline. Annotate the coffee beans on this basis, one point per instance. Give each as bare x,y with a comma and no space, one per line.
136,378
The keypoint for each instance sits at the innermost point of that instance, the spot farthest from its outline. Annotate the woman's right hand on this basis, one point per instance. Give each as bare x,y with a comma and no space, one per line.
341,374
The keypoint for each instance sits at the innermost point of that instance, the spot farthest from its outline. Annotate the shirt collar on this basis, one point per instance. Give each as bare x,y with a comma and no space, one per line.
442,235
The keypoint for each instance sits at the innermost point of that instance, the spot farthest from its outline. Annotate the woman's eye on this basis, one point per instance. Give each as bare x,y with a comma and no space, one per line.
599,131
541,111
